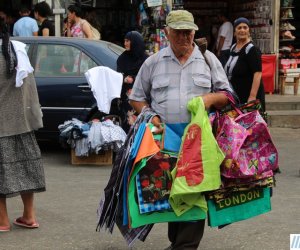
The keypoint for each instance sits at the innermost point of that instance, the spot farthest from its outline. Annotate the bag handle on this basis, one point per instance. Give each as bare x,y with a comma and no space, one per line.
233,103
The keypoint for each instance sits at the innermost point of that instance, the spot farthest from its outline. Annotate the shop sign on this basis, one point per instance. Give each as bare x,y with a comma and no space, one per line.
153,3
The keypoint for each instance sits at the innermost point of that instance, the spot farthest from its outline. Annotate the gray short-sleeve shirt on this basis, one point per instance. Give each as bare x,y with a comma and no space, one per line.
168,86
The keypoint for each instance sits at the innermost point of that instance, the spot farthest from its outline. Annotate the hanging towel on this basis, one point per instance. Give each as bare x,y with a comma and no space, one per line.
106,84
24,67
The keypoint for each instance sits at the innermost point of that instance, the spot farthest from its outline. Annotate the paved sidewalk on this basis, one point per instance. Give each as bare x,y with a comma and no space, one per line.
67,211
282,98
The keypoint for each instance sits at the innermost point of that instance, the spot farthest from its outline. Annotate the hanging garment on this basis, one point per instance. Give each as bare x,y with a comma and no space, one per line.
106,85
24,66
198,166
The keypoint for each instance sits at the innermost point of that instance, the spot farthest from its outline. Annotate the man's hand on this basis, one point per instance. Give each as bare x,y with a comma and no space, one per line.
207,101
157,123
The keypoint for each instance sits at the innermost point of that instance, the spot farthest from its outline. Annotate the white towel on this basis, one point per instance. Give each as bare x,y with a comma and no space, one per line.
106,84
24,67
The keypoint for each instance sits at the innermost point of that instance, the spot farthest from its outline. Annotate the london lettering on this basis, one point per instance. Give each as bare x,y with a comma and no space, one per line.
239,198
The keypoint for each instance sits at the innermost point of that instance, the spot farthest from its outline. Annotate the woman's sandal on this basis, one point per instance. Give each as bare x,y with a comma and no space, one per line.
20,222
4,229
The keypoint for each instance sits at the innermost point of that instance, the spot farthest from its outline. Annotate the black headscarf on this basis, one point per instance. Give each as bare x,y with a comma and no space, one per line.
7,49
130,61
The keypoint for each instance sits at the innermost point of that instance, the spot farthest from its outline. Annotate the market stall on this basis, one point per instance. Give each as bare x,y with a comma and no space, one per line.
262,17
93,142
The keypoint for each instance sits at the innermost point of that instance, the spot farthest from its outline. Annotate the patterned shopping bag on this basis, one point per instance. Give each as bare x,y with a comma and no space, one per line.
248,146
154,183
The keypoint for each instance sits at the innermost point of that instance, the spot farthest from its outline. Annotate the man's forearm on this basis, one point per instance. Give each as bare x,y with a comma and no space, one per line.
217,100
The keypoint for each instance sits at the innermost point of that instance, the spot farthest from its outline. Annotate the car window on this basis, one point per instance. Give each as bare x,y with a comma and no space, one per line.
116,48
61,60
27,47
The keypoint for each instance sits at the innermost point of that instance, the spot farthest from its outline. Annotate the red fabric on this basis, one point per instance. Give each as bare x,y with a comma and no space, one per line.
190,162
268,72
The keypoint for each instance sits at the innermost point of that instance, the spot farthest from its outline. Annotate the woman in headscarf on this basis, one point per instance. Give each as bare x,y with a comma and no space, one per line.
244,67
129,63
21,169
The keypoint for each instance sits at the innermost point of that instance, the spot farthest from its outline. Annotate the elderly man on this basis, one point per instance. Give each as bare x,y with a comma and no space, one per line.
167,81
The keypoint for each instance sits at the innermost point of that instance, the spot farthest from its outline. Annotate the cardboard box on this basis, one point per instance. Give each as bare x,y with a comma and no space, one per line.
103,158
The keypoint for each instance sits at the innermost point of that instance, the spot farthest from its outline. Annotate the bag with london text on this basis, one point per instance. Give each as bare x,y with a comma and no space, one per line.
238,206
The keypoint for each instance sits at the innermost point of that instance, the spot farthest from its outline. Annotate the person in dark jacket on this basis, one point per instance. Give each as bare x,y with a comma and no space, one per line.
129,63
41,12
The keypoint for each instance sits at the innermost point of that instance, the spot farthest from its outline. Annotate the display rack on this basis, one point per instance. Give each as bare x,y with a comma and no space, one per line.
177,5
288,59
259,13
207,8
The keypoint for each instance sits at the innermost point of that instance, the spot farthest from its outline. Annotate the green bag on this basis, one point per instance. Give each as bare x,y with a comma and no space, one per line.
198,165
136,219
239,206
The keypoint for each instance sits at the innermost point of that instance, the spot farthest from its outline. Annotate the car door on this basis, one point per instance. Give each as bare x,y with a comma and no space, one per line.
63,90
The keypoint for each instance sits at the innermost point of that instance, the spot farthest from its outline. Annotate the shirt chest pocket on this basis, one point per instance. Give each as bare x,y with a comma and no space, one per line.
160,88
202,84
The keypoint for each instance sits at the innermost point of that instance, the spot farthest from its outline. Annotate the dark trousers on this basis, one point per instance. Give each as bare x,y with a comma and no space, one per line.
185,235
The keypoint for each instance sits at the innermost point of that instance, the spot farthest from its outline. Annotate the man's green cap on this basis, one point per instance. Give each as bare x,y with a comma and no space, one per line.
181,20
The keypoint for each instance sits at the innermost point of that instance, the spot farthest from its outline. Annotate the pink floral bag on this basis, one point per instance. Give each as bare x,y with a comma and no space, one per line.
247,144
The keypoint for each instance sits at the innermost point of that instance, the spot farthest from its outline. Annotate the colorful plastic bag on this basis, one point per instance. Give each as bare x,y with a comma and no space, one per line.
238,206
198,166
248,146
